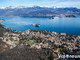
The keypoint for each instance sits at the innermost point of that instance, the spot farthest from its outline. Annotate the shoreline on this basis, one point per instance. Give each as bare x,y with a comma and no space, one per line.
33,29
45,16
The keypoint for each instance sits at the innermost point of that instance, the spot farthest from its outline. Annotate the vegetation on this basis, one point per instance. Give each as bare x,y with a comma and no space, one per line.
30,42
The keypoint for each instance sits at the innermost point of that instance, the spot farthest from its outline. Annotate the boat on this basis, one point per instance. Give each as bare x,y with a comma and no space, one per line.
36,25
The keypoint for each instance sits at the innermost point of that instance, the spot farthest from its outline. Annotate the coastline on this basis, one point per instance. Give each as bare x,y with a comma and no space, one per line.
72,15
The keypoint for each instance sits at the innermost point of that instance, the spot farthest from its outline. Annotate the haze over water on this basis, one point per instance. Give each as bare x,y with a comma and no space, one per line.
63,24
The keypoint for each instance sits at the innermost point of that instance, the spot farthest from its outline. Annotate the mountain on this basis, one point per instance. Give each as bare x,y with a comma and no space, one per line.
37,11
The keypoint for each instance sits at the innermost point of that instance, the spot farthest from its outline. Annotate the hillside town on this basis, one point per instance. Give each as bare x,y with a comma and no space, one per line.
60,43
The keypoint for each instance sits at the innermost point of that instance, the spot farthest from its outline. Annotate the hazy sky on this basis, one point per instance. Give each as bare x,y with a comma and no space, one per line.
62,3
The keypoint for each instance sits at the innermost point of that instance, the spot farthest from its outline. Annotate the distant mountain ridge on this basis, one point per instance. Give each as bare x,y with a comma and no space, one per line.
38,11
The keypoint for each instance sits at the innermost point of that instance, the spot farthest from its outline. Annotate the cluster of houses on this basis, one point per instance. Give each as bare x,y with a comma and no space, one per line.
42,39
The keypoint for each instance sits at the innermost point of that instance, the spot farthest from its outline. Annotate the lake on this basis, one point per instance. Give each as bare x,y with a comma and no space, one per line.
58,24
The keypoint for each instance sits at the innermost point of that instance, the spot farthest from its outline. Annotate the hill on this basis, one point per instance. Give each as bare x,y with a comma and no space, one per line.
26,53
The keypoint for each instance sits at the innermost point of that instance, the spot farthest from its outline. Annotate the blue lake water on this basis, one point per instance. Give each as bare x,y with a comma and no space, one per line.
63,24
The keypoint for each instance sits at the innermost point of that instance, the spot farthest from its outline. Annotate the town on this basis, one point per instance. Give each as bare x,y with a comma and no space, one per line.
59,43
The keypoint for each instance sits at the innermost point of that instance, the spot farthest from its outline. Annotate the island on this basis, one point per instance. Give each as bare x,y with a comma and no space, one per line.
70,16
36,25
51,17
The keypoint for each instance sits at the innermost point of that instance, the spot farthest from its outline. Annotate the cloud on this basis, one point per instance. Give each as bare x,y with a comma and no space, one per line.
68,4
63,3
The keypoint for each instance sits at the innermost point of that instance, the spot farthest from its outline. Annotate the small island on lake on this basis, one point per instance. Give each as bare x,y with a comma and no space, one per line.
36,25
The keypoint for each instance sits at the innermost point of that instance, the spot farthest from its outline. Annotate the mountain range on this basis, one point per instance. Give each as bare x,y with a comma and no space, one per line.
38,11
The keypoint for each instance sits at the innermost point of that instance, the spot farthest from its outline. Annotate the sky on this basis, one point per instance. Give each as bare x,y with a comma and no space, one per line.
50,3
